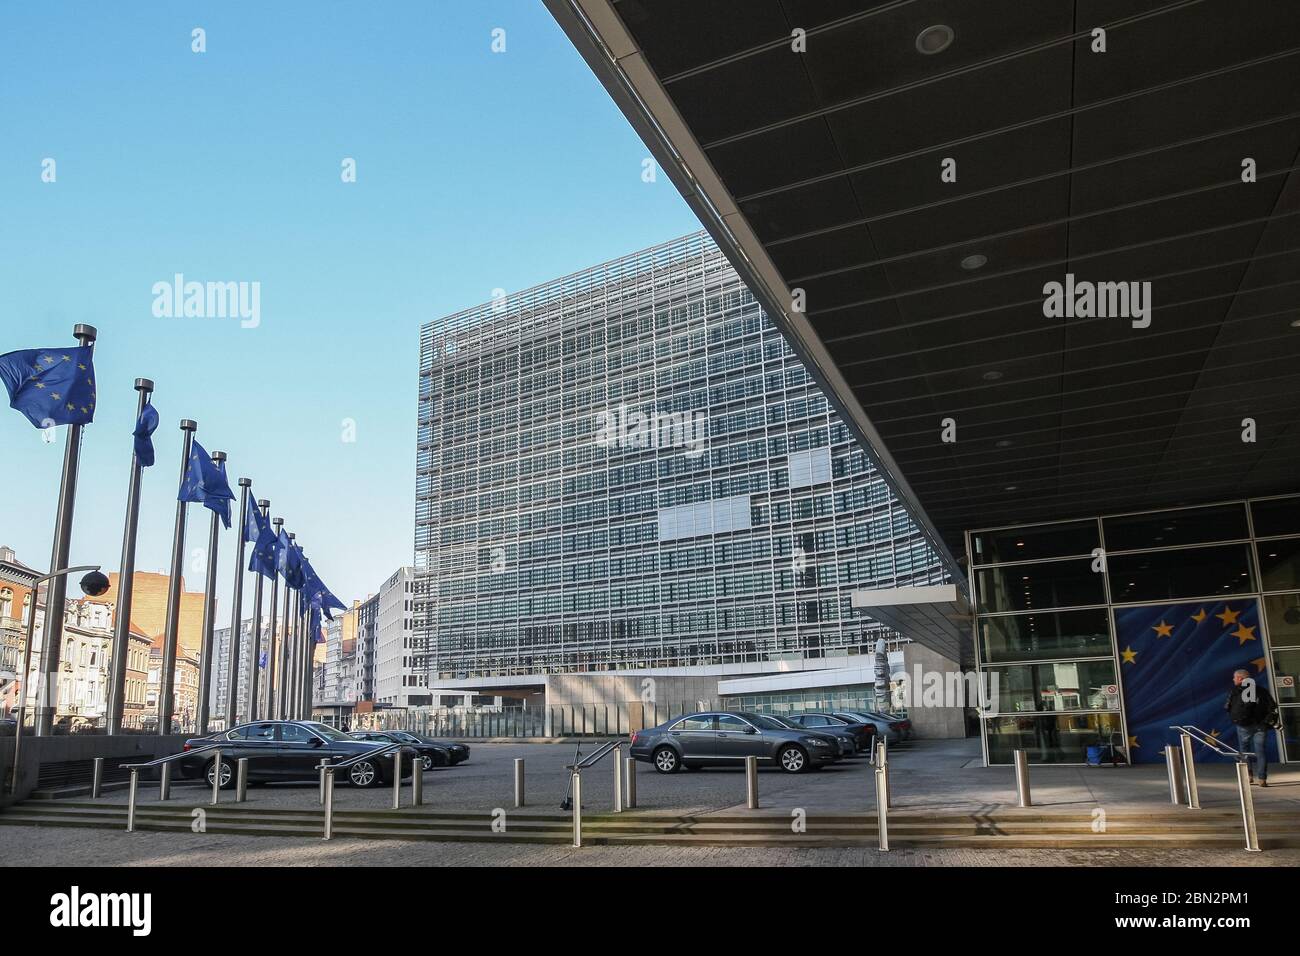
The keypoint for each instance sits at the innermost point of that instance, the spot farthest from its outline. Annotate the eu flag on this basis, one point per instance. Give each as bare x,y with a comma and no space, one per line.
51,386
254,522
317,593
265,552
293,568
144,429
316,636
205,481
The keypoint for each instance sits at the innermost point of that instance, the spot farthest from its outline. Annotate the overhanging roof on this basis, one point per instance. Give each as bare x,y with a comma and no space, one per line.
820,170
938,616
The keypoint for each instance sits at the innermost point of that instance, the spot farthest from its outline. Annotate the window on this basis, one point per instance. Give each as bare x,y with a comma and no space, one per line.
704,722
1042,541
1045,635
1028,587
294,734
733,725
1163,529
1181,573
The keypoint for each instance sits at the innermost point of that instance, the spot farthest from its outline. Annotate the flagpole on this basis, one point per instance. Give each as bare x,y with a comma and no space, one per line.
295,657
304,660
237,608
282,701
203,711
166,700
309,661
47,692
270,641
126,580
255,641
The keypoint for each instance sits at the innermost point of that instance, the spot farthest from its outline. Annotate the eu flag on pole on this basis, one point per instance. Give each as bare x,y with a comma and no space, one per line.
316,636
254,522
262,660
318,595
205,481
144,429
293,576
51,386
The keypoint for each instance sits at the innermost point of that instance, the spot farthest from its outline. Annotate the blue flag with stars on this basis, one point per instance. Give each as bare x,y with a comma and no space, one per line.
145,426
254,522
51,386
266,552
205,481
317,594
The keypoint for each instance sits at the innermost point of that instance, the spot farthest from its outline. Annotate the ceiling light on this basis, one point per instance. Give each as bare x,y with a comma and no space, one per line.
975,261
1295,323
1004,443
992,376
1009,488
934,39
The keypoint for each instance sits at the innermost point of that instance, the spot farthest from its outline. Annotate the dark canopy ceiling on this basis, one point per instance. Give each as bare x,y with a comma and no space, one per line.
821,171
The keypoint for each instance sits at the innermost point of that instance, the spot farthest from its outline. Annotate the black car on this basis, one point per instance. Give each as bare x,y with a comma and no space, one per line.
863,733
289,750
431,755
724,738
458,753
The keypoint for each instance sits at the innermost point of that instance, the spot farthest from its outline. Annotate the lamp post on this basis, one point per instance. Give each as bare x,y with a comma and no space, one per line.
93,584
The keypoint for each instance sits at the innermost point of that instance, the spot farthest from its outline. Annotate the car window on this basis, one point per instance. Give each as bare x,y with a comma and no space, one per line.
731,724
257,732
293,734
813,720
702,722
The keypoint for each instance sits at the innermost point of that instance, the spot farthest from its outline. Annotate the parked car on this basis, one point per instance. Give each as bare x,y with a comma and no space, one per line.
8,726
431,755
726,738
890,729
288,750
458,753
862,733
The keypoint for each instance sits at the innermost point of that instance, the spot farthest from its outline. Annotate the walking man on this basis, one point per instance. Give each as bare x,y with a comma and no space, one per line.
1252,709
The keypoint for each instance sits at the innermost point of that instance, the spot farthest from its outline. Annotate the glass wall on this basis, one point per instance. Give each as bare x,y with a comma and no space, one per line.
1046,604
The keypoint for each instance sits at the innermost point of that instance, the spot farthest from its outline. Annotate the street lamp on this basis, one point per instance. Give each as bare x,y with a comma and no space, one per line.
93,585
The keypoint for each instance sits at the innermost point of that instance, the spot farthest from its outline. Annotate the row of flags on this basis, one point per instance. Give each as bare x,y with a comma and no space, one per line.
57,387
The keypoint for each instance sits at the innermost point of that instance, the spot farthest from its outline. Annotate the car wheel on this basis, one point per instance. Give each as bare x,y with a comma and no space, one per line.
364,773
792,760
426,761
666,760
227,774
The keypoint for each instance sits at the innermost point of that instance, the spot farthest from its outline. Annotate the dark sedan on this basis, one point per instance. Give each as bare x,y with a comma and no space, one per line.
459,753
863,733
724,738
289,750
431,755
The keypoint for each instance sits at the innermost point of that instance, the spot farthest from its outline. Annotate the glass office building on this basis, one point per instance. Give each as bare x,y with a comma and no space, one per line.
1117,628
629,468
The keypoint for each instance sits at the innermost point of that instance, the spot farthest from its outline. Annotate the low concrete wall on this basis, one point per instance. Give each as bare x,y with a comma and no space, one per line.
75,747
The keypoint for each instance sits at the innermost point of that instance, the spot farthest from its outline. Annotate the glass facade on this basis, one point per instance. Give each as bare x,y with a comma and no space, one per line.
1064,613
628,468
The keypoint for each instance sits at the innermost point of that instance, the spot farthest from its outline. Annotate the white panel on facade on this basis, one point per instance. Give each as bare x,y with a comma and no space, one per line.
810,467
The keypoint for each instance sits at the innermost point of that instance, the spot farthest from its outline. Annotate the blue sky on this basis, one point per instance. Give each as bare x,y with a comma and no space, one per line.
475,170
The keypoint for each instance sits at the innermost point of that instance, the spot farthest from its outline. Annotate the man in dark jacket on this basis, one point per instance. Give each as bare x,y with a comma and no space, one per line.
1252,709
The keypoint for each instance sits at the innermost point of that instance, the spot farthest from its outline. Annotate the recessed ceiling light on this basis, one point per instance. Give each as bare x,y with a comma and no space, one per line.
1010,488
1295,323
974,261
1004,443
992,376
934,39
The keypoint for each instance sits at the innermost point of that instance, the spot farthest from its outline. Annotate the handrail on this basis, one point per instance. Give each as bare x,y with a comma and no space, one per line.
1214,743
597,755
176,756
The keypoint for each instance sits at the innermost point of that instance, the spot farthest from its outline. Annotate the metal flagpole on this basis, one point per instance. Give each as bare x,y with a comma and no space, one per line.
166,697
291,675
271,655
309,673
295,690
286,642
126,581
255,642
47,691
237,608
204,708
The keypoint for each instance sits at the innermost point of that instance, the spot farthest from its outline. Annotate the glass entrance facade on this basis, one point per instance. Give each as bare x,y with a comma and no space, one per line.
1107,630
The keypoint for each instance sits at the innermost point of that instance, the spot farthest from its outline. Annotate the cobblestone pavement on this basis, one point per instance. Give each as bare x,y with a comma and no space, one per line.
57,846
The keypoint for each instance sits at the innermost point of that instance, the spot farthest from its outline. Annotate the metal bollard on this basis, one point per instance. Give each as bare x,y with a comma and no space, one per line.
130,802
1173,765
329,803
882,760
97,779
397,780
1189,774
165,781
1023,796
241,781
618,783
216,778
751,782
577,808
519,781
417,782
1247,807
882,805
323,767
629,784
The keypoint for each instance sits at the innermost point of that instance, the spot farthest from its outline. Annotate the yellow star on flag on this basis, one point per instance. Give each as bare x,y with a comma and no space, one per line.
1214,734
1163,630
1199,616
1133,742
1261,664
1244,634
1229,616
1129,655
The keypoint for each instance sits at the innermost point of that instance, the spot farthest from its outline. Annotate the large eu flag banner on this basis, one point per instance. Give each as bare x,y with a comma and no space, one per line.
1176,664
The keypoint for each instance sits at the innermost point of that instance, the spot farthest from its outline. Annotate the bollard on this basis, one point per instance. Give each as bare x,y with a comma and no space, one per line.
1247,807
417,782
618,783
882,806
397,780
577,808
241,781
216,777
629,783
97,779
882,760
1189,774
165,781
751,782
329,803
130,802
519,781
323,767
1173,765
1023,796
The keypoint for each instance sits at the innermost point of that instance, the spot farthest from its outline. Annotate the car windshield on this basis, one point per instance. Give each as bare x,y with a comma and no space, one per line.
326,731
772,723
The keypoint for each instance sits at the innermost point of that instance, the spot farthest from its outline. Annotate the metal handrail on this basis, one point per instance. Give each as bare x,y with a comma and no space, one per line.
1214,743
176,756
597,755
